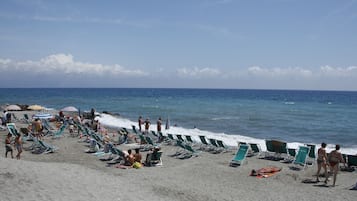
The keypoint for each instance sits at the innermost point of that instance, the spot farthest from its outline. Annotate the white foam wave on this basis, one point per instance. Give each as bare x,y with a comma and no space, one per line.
289,103
224,118
230,140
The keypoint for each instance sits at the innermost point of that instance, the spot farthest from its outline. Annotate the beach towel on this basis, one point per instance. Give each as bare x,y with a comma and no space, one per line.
265,172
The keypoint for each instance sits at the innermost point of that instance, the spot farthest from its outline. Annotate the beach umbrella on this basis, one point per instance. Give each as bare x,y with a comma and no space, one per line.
35,107
69,109
13,108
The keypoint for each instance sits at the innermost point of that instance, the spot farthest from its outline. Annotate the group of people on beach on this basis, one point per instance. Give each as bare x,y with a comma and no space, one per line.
331,160
147,124
17,143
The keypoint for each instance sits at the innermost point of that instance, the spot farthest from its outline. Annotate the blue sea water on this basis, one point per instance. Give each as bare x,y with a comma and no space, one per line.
289,115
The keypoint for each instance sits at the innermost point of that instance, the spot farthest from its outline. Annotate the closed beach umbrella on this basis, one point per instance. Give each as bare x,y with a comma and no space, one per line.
69,109
35,107
13,108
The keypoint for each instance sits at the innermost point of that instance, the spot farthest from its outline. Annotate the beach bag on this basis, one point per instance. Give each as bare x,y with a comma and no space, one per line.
137,165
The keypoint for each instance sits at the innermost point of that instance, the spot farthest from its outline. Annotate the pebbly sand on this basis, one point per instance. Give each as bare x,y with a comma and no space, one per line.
72,174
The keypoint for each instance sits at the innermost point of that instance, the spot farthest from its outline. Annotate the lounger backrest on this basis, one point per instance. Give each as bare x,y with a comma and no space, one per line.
241,153
220,143
292,152
255,148
179,137
352,160
301,155
188,138
213,142
203,140
156,155
312,150
170,136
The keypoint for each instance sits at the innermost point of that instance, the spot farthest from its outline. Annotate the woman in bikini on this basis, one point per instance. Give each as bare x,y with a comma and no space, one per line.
335,158
321,161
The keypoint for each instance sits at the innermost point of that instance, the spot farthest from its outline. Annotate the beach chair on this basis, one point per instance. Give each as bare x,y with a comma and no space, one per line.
255,148
47,147
291,156
59,132
11,127
179,137
154,159
170,136
142,139
14,117
189,139
352,160
186,150
222,145
277,148
150,141
240,156
154,133
134,130
301,156
312,155
26,119
170,139
206,146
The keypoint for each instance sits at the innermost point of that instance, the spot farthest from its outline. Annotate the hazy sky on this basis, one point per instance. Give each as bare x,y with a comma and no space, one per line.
261,44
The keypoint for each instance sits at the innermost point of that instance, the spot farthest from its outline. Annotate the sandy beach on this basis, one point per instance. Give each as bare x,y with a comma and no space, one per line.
72,174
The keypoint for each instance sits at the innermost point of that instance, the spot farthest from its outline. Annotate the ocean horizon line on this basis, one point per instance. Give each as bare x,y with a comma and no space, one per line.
179,88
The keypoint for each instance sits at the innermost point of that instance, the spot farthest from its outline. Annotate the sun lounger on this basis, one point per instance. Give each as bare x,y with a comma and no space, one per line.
301,156
240,156
277,148
154,159
312,155
179,137
11,127
206,146
255,148
352,160
47,147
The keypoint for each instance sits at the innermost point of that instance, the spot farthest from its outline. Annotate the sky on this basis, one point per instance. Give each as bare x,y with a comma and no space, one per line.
239,44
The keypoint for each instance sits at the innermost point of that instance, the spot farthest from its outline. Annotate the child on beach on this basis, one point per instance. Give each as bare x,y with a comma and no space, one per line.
18,145
335,158
8,145
321,161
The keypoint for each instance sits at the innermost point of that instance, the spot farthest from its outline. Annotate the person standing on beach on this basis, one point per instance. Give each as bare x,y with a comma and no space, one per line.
321,161
159,123
18,145
335,158
147,125
8,145
140,122
92,113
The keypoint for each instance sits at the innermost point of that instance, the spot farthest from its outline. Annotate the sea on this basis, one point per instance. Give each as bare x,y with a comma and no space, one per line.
233,115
